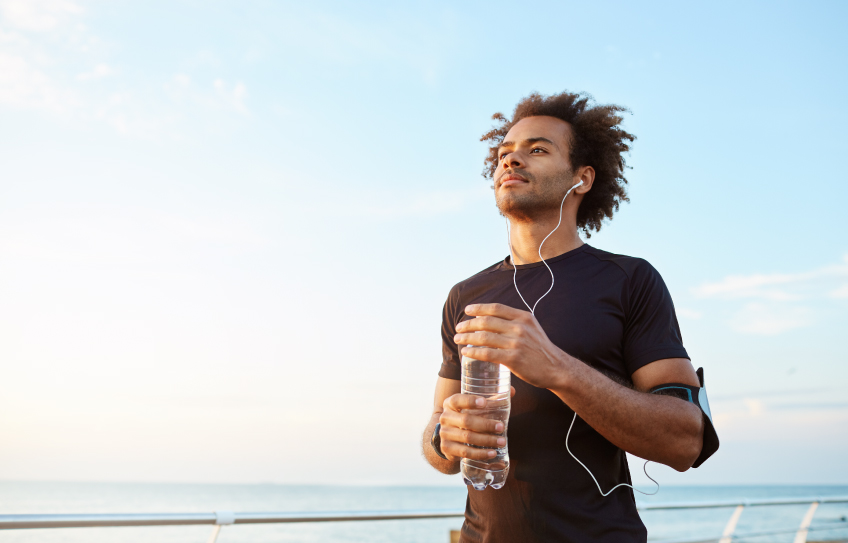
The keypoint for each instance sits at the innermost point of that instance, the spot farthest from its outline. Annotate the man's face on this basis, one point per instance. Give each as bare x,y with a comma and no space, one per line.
534,171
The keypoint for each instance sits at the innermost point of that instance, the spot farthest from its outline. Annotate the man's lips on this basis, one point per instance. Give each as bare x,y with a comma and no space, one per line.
512,179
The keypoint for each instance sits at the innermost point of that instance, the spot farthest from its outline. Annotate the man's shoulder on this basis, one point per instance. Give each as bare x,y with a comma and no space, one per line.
482,277
630,265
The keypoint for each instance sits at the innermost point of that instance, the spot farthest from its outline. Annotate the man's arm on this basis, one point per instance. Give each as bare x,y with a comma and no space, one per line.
445,388
654,427
460,429
663,429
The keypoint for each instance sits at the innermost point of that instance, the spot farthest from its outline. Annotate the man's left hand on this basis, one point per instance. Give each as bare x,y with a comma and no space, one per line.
515,339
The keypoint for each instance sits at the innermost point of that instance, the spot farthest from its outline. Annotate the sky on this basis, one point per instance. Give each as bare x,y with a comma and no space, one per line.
227,229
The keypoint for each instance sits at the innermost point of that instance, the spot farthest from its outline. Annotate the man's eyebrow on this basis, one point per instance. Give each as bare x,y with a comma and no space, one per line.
537,140
528,140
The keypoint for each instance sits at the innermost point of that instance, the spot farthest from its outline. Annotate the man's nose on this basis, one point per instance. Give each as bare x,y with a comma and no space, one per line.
512,160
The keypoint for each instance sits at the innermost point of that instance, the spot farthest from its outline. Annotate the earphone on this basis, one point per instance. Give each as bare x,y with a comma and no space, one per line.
533,312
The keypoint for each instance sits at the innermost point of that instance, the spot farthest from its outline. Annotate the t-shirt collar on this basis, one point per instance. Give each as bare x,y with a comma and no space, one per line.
507,262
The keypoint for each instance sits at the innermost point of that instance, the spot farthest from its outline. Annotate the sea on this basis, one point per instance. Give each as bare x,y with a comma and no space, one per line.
830,522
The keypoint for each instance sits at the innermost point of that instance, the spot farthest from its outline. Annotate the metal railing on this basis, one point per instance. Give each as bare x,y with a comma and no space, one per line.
738,506
223,518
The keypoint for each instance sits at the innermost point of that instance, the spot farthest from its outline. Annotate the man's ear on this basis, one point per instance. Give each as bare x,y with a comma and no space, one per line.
587,175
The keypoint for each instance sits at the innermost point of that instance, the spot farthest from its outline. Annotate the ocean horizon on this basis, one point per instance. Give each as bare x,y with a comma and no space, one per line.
37,497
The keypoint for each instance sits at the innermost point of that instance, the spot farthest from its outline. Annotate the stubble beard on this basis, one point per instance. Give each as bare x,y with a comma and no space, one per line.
545,197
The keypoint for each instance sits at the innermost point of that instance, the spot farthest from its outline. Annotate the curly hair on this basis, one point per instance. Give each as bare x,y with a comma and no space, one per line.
596,140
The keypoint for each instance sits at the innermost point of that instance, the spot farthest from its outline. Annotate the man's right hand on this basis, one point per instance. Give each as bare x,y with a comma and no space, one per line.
460,430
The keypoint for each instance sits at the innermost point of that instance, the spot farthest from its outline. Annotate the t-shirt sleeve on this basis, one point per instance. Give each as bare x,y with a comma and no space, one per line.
651,331
451,367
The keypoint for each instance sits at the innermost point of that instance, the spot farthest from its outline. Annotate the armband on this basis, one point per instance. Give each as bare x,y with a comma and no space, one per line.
436,441
697,396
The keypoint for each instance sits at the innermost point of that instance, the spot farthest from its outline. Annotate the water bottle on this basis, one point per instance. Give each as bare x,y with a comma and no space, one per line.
490,381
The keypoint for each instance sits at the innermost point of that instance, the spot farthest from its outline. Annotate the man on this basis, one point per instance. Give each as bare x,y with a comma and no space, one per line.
604,336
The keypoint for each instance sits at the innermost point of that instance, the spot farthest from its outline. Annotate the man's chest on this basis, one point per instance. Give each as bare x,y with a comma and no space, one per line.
583,320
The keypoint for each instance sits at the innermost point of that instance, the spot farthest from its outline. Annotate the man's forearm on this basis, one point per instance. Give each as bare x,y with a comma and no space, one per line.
658,428
441,464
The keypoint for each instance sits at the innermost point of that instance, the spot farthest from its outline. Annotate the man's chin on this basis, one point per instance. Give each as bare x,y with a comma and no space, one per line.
516,209
522,209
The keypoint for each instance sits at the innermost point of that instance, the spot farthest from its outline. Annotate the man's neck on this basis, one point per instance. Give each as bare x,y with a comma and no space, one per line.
526,236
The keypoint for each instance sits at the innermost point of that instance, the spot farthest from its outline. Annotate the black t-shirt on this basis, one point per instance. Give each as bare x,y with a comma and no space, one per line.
612,312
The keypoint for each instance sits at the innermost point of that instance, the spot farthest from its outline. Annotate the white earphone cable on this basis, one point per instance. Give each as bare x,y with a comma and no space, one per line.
515,267
533,312
608,492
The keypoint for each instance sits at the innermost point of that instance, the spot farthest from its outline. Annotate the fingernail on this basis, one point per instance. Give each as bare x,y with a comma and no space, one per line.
481,402
501,442
499,427
491,453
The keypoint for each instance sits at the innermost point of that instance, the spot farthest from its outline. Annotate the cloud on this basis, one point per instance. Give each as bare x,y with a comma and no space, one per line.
101,70
178,84
106,235
773,299
37,15
687,313
24,86
423,204
755,420
233,97
766,407
30,77
775,287
403,205
121,111
223,95
49,58
417,44
812,405
755,407
781,393
770,319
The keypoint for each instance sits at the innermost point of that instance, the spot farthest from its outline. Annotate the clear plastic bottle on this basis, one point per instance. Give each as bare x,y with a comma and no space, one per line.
491,381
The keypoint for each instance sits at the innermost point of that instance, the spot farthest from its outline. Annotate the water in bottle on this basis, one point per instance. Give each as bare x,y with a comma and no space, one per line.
490,381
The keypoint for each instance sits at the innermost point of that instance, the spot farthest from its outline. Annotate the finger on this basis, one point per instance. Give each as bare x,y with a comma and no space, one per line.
496,356
458,402
473,423
486,323
495,310
460,450
511,391
484,339
458,435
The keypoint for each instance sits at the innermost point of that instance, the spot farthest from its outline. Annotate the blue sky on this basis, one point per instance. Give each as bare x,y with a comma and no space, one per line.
227,229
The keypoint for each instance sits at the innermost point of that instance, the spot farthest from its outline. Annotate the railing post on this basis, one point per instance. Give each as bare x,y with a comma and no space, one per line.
727,535
221,518
801,536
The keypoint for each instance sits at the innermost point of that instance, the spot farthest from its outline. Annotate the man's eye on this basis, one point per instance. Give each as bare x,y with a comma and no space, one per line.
501,156
538,149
